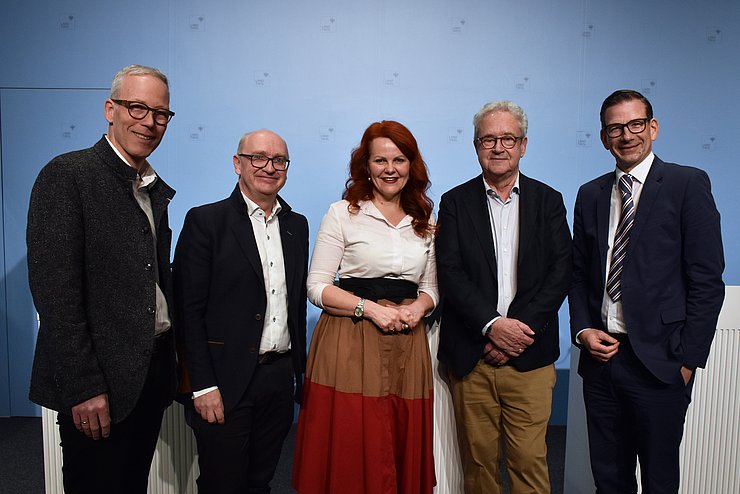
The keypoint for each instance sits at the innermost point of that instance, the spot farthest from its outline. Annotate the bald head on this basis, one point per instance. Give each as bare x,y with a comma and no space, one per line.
259,135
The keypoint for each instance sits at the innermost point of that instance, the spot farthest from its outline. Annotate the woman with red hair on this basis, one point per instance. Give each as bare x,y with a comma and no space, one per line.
366,419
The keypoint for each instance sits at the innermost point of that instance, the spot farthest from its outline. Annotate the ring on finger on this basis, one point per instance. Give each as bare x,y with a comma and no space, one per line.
404,326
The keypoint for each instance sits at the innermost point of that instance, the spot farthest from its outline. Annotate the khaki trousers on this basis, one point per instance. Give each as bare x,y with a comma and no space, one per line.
495,405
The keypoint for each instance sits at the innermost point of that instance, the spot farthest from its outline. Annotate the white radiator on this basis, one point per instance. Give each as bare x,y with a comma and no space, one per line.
174,467
710,451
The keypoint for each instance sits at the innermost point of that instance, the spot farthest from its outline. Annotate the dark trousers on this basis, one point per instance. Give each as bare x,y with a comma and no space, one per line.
119,463
241,455
631,414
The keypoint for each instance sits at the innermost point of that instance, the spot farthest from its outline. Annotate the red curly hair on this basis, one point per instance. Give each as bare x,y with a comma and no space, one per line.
414,199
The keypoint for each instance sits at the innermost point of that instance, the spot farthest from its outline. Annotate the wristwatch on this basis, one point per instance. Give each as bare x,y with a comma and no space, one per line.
360,308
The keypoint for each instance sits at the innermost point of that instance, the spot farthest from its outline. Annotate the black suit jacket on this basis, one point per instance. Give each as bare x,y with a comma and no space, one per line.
466,268
672,289
90,269
220,294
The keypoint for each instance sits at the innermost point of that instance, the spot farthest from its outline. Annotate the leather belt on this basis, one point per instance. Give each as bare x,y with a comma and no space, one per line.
270,357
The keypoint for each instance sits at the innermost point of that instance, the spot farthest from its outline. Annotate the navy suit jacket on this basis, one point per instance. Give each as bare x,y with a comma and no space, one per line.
220,295
468,280
672,288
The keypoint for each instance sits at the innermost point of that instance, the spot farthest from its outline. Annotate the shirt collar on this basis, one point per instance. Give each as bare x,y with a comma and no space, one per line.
253,208
639,172
146,178
493,193
369,209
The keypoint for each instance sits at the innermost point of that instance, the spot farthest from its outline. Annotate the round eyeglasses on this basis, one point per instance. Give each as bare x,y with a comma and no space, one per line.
489,142
139,111
279,163
635,127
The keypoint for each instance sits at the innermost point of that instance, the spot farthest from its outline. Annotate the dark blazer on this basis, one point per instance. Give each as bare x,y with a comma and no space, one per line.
90,260
672,288
220,294
466,268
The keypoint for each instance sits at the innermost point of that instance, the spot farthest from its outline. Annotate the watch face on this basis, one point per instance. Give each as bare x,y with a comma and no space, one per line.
359,312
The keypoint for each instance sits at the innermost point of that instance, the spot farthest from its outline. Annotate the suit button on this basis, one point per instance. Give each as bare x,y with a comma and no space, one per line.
258,317
148,266
145,229
150,310
252,350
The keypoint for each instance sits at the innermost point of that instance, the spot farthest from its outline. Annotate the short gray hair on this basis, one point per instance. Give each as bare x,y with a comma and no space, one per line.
115,87
501,106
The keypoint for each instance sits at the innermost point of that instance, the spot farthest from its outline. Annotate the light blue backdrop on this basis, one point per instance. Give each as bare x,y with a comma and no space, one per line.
318,72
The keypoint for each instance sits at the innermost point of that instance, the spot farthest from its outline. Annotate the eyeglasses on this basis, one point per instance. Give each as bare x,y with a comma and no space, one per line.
635,127
139,111
489,142
279,163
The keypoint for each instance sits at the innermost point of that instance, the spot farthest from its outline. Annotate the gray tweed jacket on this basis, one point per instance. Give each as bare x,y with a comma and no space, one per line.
90,269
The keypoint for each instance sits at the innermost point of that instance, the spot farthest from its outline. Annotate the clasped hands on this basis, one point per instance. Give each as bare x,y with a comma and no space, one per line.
394,318
507,339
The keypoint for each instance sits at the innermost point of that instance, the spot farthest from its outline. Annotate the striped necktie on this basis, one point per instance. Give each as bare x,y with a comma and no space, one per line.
621,238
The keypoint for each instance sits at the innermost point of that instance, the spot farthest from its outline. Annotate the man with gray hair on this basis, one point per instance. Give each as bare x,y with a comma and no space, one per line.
240,281
98,267
503,264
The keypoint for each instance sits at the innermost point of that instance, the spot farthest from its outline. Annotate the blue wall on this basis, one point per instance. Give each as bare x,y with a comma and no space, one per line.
319,72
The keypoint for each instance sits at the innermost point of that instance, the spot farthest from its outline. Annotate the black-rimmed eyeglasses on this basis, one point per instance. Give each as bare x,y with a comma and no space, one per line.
279,163
139,111
489,142
635,127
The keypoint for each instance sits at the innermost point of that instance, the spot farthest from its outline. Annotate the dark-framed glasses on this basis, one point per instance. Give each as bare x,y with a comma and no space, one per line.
635,127
279,163
139,111
489,142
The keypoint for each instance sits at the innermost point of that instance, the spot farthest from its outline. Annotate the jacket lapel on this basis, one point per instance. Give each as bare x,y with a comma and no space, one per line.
477,207
527,225
242,230
650,191
603,205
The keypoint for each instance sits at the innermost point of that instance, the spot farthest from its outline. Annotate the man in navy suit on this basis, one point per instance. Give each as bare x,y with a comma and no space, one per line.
240,283
504,264
646,295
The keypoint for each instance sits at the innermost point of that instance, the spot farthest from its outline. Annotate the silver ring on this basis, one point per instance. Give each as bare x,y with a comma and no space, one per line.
84,422
405,326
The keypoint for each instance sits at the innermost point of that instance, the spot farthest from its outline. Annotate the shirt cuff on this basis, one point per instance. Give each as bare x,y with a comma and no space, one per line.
578,336
487,327
198,394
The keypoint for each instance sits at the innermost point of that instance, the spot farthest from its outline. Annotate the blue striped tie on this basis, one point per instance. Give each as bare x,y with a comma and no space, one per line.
621,238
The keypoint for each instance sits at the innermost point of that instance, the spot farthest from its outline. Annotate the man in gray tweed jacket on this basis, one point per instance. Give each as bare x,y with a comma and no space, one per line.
99,270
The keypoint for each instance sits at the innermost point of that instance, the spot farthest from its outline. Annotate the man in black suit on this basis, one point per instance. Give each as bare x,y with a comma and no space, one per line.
504,263
240,280
99,270
645,300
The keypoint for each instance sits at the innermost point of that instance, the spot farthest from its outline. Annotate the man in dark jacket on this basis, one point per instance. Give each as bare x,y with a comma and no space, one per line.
240,281
504,264
98,259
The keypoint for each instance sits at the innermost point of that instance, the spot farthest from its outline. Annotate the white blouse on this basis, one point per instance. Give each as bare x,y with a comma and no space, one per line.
365,245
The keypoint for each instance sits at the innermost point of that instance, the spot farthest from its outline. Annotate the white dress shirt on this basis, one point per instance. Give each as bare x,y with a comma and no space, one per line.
504,218
611,311
275,335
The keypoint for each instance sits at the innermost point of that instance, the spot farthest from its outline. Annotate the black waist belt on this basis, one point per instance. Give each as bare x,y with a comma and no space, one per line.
380,288
270,357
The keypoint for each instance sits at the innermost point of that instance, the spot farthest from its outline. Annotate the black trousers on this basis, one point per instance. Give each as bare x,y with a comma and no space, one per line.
241,455
119,463
631,414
